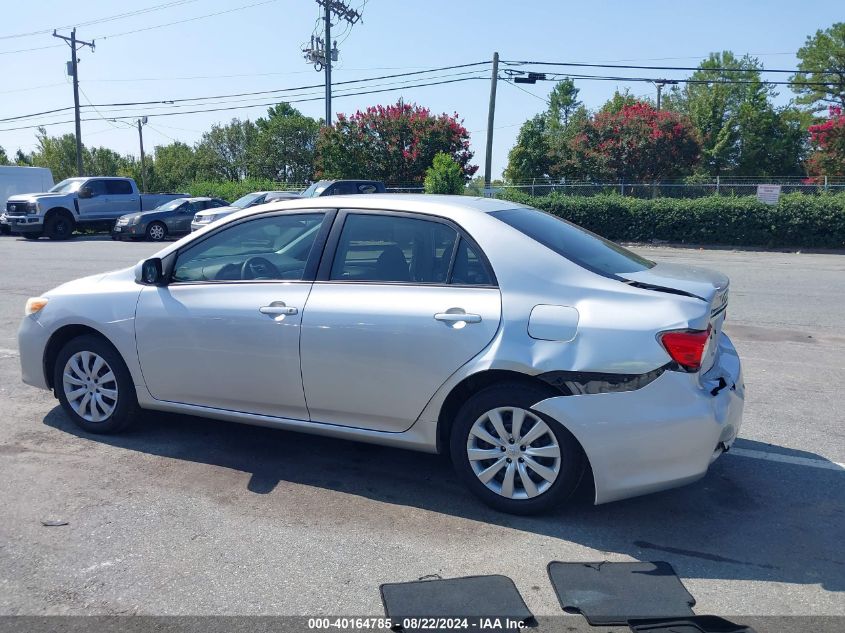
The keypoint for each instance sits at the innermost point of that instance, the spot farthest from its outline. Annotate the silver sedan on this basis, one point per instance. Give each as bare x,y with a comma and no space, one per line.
534,353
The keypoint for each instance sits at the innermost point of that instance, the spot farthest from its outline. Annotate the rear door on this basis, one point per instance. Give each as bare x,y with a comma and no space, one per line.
400,303
120,199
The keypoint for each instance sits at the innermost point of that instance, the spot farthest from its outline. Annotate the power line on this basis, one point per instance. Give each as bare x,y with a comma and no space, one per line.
256,105
679,68
254,93
148,28
199,17
111,18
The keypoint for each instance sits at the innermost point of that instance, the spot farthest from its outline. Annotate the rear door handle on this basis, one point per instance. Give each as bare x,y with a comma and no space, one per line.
454,317
278,308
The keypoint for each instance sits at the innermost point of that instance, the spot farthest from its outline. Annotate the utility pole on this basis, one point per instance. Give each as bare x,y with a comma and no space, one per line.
328,20
323,51
141,122
659,83
488,158
75,45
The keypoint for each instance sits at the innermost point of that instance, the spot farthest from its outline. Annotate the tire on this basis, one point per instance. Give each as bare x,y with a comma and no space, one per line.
30,236
59,225
79,360
156,232
562,474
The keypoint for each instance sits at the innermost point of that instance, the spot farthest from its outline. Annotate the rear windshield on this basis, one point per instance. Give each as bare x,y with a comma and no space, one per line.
576,244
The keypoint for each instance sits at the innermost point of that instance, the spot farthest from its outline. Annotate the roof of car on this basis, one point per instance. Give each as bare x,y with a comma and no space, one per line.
416,202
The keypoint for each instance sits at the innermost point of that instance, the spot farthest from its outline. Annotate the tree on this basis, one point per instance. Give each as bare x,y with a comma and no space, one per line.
444,175
563,104
223,151
823,64
174,166
58,153
530,158
638,143
618,101
101,161
828,139
4,158
284,146
395,143
741,132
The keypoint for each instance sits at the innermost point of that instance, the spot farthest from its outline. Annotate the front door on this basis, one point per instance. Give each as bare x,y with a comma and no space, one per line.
225,332
405,303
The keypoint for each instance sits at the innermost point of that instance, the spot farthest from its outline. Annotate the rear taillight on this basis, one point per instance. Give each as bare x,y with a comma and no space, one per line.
686,347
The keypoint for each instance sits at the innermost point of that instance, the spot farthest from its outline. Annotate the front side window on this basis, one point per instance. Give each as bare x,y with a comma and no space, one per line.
386,248
270,248
97,187
586,249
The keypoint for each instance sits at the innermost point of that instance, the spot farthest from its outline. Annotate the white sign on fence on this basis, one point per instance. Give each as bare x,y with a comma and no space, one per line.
768,194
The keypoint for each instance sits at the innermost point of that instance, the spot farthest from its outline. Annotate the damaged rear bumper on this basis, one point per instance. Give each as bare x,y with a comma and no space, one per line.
661,436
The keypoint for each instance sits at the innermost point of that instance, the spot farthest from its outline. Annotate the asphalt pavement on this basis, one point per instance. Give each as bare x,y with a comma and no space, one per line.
184,515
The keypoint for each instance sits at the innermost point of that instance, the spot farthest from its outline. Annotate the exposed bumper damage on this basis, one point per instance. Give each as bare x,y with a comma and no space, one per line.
663,435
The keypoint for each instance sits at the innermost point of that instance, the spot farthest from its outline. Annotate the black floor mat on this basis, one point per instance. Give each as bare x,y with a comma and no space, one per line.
613,593
694,624
473,597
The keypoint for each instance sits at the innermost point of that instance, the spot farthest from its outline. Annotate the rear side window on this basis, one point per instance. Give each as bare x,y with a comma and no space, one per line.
578,245
118,187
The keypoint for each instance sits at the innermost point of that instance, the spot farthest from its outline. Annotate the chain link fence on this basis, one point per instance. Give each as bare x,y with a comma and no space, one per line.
698,189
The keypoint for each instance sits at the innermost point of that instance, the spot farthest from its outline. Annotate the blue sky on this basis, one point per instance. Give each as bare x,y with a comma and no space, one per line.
261,45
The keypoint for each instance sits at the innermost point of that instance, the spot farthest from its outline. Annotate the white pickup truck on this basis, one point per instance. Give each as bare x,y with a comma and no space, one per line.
94,202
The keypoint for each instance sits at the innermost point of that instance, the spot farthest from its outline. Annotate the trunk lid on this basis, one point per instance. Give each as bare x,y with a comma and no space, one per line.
708,285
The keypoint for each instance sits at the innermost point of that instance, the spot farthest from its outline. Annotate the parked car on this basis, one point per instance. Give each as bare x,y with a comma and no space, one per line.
171,218
94,202
204,218
15,180
530,350
343,187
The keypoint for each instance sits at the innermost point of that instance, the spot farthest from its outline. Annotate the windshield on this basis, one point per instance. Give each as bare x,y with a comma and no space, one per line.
67,186
247,200
586,249
314,190
171,206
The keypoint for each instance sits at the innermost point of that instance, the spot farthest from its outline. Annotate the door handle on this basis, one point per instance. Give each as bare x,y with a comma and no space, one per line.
454,317
278,308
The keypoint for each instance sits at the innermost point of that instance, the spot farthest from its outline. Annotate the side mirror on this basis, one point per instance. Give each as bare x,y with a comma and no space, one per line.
85,192
151,272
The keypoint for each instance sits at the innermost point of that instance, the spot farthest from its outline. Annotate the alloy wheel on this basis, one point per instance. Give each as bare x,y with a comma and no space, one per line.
514,453
157,232
90,386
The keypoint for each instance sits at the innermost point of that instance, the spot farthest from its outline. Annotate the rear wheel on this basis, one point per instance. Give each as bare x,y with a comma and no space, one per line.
59,225
513,458
156,232
94,385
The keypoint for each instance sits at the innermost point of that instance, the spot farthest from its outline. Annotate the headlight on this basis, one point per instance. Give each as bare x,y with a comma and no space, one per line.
32,207
205,219
35,304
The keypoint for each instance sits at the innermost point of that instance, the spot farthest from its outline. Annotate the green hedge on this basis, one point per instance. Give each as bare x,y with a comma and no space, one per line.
231,191
798,220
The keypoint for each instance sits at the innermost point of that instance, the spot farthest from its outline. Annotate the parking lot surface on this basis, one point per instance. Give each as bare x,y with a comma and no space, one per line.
185,515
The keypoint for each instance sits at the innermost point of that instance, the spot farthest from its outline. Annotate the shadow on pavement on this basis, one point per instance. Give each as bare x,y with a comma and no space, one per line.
748,519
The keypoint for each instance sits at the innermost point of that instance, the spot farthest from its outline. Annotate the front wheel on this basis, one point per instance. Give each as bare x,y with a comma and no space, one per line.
156,232
59,226
94,386
514,459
